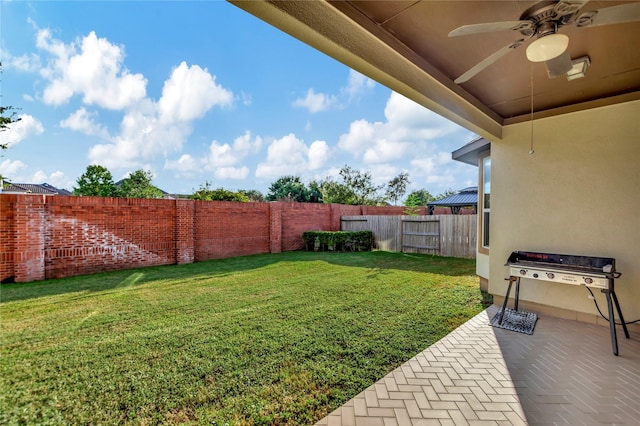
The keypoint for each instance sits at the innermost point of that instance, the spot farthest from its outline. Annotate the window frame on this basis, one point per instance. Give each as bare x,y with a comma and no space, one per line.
482,209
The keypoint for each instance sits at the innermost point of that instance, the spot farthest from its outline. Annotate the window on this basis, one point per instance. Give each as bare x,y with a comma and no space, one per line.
486,200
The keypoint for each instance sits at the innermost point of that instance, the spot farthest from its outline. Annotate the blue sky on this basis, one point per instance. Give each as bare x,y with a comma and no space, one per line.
201,92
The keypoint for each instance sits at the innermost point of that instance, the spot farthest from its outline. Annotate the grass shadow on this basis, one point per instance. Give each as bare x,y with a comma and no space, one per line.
378,262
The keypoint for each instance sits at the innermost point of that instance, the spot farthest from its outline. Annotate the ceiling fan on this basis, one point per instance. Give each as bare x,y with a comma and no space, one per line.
542,21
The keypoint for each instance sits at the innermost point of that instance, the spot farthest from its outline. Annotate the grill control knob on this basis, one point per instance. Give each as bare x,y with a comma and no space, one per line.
535,275
550,275
588,280
523,272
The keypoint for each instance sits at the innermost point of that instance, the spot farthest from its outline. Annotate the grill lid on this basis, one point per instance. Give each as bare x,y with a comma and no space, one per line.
569,261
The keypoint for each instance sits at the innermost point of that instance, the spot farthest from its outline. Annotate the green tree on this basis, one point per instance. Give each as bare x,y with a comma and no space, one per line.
253,194
288,188
138,185
356,188
397,187
445,194
420,197
336,193
96,181
8,116
361,183
315,193
205,193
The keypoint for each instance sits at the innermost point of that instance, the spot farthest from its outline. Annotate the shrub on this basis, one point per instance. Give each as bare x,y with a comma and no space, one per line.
338,240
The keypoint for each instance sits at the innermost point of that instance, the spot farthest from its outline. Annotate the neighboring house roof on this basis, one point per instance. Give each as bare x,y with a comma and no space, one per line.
464,197
33,188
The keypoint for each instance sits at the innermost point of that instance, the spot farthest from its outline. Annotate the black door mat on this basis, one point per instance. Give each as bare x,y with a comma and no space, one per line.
520,321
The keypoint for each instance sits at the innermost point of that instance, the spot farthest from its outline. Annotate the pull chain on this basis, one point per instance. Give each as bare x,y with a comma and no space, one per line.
531,140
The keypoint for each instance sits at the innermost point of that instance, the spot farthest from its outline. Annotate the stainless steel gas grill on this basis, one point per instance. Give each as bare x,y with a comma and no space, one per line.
590,271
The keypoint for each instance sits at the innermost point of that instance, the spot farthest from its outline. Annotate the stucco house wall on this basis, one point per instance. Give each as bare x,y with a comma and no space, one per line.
578,193
482,263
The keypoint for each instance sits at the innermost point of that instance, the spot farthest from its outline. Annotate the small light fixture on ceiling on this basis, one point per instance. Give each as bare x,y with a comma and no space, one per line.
578,68
547,47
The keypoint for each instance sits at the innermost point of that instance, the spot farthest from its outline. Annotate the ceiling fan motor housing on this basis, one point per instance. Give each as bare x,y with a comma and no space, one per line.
554,12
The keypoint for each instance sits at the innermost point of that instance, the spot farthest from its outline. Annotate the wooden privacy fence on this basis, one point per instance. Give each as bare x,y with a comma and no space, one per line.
446,235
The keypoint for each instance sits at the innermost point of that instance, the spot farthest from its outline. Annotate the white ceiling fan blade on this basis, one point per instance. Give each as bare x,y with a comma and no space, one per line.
491,27
487,61
610,15
569,7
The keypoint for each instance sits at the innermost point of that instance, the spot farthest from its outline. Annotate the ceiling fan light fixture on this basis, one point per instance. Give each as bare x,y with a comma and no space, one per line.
559,66
547,47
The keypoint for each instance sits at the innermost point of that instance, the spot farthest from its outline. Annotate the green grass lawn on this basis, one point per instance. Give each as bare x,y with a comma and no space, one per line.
268,339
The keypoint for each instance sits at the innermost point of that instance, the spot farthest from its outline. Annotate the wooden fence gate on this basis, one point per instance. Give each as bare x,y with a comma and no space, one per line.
420,235
446,235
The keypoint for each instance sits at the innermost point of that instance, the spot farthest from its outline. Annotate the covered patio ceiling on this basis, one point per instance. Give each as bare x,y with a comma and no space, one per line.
404,44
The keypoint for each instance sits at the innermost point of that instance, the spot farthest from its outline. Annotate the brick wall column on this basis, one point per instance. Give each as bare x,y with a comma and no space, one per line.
334,218
30,232
7,237
275,227
185,231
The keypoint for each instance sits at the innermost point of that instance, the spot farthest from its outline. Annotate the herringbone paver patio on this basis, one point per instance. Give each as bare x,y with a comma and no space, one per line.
565,373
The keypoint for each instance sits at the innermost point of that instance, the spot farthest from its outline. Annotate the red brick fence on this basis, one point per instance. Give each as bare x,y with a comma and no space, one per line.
44,237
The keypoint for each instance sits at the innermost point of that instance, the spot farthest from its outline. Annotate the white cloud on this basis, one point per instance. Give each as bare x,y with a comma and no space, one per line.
315,102
318,154
225,159
374,143
20,130
10,169
60,180
291,156
90,67
410,131
357,85
83,121
403,113
385,150
24,63
361,132
57,179
237,173
246,98
245,144
430,164
142,137
39,177
285,156
221,155
408,126
93,68
159,129
383,173
440,171
185,164
15,172
189,93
